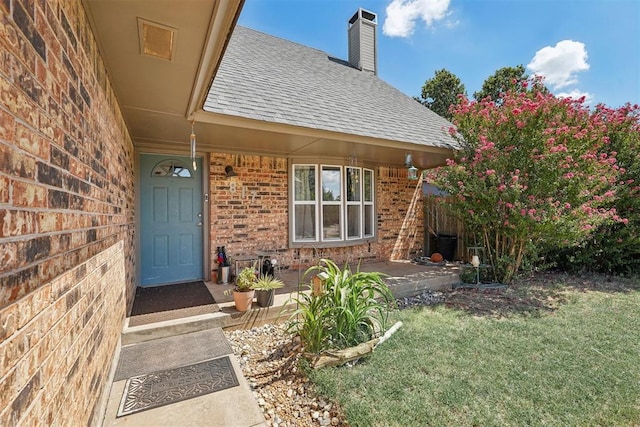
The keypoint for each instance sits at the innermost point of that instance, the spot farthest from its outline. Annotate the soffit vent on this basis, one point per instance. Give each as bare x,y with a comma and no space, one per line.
157,40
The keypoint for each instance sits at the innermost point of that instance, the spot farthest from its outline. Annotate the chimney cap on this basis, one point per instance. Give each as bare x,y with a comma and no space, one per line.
365,14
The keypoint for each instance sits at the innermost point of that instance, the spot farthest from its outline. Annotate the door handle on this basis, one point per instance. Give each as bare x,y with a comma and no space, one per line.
199,223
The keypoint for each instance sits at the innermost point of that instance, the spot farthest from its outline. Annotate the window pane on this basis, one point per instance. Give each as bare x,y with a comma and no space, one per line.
353,221
353,184
368,220
171,168
368,185
331,222
305,183
331,184
305,222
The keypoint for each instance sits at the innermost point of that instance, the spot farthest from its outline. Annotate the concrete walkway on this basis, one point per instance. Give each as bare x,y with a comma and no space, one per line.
181,342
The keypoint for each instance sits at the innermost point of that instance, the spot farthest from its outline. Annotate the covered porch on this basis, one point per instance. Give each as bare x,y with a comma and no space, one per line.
404,279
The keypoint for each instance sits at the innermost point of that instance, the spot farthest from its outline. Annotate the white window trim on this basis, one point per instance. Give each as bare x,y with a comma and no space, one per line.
371,203
340,203
344,240
305,202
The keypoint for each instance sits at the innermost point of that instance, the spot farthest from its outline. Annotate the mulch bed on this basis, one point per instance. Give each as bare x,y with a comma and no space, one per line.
541,292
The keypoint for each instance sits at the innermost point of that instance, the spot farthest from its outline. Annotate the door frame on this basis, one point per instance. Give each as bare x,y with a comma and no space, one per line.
206,216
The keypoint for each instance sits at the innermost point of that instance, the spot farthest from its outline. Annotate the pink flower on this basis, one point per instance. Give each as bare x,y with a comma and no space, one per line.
502,187
569,175
567,206
490,172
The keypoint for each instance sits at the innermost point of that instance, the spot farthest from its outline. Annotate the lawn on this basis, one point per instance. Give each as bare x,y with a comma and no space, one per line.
556,352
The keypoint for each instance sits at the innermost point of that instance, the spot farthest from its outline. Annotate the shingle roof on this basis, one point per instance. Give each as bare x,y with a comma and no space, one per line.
266,78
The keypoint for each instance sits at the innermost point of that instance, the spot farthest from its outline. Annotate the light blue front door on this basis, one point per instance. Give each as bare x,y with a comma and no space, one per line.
171,223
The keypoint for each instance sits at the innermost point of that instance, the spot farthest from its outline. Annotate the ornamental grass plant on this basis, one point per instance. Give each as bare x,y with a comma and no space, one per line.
353,308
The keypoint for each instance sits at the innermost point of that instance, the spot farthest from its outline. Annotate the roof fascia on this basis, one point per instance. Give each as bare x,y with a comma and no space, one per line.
224,19
242,122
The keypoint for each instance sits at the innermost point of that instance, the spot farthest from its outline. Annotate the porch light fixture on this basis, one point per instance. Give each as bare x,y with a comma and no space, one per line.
412,172
192,141
228,170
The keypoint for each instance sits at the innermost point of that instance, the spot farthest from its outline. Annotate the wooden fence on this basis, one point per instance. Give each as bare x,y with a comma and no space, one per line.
438,222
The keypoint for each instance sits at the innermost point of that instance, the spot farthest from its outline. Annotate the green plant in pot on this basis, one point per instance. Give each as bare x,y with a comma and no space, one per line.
243,292
265,288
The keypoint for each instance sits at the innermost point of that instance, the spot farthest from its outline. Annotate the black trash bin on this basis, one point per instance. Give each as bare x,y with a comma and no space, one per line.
446,245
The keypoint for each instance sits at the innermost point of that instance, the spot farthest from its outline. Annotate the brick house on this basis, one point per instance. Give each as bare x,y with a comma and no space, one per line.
319,151
298,153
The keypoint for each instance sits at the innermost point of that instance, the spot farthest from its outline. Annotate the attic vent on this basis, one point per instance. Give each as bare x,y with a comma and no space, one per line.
363,50
156,40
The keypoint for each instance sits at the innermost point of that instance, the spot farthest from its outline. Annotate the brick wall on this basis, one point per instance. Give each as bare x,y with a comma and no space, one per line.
250,213
66,215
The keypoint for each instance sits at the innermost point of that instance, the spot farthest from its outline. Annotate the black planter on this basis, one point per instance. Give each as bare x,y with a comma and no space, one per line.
264,298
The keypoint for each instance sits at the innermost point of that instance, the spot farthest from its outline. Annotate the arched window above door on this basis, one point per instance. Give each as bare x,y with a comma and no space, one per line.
171,169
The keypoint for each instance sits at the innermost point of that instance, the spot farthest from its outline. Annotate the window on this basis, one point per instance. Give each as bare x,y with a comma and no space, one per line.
340,208
172,169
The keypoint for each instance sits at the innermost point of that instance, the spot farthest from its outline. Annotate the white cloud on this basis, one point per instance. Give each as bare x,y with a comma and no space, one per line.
559,64
402,15
576,94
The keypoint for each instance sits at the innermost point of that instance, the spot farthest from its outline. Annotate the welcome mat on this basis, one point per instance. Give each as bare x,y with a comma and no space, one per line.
169,302
161,388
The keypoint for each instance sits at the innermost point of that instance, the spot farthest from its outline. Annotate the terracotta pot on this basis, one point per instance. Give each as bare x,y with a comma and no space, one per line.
243,300
264,298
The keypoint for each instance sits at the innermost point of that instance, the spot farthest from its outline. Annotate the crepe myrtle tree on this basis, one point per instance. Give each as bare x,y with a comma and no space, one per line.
535,171
614,248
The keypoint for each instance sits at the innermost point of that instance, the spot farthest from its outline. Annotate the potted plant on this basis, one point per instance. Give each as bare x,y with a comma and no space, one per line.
243,292
265,288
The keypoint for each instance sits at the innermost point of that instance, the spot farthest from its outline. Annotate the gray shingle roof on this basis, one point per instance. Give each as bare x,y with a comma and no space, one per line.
266,78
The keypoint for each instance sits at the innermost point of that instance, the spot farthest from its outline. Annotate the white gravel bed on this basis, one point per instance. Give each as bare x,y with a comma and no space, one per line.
269,360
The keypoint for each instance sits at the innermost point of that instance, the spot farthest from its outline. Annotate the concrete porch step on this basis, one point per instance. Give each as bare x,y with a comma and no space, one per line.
227,318
403,278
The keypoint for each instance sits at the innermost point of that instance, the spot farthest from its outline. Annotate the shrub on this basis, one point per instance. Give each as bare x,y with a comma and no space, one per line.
535,173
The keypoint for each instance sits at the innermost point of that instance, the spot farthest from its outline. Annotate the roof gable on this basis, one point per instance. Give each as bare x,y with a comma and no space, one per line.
270,79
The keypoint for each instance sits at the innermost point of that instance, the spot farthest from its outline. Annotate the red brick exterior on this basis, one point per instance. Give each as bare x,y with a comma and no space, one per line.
66,216
67,272
250,213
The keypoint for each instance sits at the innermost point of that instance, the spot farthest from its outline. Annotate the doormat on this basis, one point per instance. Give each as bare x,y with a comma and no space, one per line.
161,388
169,302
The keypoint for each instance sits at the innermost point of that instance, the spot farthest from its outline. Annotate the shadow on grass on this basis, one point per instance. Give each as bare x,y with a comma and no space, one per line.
534,295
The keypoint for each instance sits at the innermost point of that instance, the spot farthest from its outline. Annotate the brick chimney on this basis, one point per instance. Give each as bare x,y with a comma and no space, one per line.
363,48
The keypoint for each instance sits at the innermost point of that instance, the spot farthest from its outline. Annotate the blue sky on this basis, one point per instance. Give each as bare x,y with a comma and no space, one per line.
582,47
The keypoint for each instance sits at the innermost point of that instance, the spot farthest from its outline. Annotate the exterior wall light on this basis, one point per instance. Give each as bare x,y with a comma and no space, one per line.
412,172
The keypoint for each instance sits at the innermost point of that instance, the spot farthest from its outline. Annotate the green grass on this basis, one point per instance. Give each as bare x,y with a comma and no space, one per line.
575,365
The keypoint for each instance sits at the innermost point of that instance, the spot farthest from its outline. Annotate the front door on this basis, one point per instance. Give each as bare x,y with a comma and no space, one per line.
171,222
